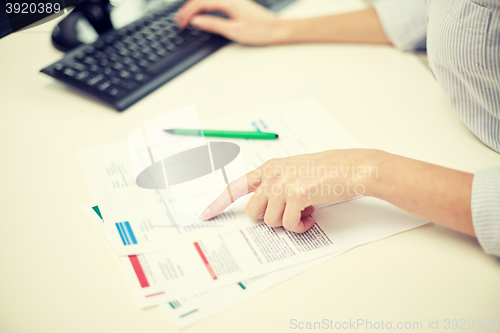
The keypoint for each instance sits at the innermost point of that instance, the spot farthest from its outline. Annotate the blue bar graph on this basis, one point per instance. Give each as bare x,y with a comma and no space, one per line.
130,232
126,233
120,232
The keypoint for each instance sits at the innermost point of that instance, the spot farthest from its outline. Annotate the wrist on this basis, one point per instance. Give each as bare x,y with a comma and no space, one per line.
372,165
282,31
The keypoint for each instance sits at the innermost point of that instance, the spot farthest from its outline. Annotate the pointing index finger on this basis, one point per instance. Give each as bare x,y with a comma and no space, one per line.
236,189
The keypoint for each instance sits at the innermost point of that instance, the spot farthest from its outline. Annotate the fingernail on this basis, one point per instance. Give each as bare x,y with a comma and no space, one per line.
205,214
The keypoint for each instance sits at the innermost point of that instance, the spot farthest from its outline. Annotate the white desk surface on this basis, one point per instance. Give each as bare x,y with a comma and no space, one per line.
59,275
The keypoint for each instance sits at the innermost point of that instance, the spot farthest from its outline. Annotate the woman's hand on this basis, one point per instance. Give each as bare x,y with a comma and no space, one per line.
286,188
251,24
247,23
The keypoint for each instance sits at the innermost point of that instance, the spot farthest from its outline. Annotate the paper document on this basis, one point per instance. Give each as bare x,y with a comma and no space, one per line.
189,310
255,250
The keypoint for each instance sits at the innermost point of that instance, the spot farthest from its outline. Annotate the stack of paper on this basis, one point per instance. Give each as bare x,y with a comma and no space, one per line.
193,269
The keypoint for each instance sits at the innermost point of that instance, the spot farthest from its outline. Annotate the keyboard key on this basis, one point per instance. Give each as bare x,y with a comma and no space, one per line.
170,46
134,69
140,77
124,52
167,27
127,85
93,68
133,47
99,44
155,26
82,75
143,63
115,80
128,40
99,55
58,67
152,57
80,55
161,52
125,74
115,92
161,32
127,60
89,49
78,66
113,57
155,45
105,85
89,60
131,27
117,65
164,21
118,45
108,39
149,20
137,35
69,72
123,83
95,80
136,55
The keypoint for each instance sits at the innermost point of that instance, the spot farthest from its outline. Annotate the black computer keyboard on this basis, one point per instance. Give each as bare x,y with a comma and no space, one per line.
125,65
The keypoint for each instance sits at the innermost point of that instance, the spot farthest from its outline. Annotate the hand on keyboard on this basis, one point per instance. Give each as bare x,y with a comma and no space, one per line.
126,64
247,23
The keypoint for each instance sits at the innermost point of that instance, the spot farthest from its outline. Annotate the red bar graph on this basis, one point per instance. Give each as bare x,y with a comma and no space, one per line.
207,264
136,264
